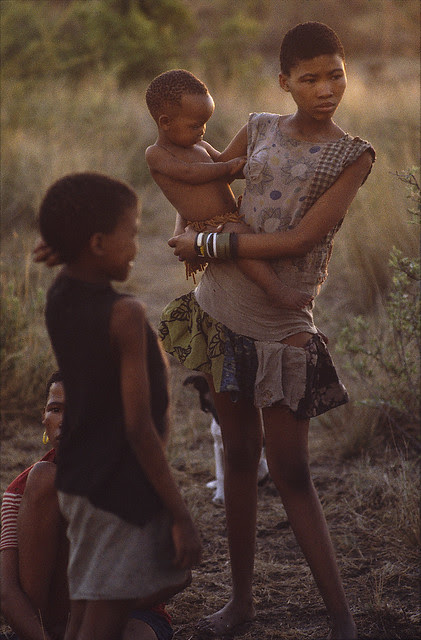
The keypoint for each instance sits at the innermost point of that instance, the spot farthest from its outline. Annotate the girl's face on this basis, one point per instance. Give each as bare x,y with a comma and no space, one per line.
187,125
118,249
316,85
53,412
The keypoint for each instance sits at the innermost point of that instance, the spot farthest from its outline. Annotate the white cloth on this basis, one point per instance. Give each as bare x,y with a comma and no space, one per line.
281,374
111,559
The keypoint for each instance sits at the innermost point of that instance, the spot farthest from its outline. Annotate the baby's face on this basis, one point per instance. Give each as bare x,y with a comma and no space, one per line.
187,125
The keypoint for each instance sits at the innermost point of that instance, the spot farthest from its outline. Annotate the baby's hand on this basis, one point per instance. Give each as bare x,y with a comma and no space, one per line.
236,165
188,548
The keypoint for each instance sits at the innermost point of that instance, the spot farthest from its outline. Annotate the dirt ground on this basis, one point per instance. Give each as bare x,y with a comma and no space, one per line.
379,571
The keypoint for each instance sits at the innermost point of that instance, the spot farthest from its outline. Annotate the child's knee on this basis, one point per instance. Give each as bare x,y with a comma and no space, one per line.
292,476
40,485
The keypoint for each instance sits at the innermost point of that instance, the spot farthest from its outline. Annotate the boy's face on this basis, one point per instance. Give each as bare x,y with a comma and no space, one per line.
316,85
53,412
187,125
119,248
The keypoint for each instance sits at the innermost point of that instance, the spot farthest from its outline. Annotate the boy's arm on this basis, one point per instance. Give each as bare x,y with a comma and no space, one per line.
128,333
162,161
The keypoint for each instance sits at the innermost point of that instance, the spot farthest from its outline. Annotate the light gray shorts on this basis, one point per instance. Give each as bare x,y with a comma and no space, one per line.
111,559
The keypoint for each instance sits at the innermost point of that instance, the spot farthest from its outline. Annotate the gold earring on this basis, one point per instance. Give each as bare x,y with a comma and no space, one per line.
45,438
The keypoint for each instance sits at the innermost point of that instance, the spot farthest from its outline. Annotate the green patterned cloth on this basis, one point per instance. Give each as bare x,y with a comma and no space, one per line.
304,379
193,337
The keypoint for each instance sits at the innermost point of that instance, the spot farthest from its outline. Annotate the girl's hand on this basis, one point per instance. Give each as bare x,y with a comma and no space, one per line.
43,253
183,245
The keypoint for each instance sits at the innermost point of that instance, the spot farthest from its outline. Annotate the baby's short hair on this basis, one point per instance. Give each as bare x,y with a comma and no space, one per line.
308,40
79,205
169,87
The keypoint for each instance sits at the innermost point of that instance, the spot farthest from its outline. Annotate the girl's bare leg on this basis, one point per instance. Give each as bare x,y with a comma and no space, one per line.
43,548
287,455
242,436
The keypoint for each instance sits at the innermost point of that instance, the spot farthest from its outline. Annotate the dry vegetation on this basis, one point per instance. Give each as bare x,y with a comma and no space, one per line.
369,487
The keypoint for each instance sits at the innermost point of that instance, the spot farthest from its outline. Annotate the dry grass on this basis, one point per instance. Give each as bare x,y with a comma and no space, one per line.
371,506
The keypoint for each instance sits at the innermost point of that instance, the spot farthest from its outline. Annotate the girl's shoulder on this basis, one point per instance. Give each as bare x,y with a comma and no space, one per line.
351,147
263,119
261,126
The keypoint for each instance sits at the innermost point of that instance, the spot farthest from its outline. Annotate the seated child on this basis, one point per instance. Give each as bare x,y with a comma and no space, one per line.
193,178
131,537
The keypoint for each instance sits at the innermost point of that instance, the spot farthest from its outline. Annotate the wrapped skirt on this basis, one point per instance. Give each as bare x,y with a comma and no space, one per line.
268,373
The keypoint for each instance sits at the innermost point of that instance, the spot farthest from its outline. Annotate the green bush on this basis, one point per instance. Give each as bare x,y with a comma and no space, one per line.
134,40
383,351
223,51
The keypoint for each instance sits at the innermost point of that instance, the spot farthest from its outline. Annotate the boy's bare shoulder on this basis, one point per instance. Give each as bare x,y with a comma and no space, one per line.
128,317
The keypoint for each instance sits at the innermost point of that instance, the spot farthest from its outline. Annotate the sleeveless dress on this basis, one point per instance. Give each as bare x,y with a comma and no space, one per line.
227,327
120,539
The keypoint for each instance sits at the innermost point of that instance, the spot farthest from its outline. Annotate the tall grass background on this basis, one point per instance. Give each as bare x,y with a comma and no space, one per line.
51,128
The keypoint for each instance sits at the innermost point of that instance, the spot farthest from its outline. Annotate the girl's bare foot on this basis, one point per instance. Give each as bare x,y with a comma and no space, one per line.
287,297
227,619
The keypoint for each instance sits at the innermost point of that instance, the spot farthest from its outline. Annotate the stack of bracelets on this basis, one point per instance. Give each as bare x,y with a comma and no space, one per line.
217,245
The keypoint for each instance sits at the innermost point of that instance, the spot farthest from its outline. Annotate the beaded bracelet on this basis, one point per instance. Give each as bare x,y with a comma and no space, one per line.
198,243
217,245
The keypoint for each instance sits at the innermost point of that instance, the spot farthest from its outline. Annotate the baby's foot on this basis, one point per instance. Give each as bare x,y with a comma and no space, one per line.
227,620
283,296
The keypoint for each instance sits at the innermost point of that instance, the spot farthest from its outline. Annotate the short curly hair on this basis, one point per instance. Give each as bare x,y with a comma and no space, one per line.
308,40
169,87
79,205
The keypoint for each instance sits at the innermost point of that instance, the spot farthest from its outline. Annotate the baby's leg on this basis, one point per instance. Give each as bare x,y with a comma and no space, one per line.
265,277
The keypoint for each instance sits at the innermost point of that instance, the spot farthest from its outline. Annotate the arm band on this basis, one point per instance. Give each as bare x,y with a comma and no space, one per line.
233,246
217,245
223,246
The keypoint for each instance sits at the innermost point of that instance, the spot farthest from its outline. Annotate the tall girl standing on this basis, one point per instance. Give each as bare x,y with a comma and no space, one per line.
267,366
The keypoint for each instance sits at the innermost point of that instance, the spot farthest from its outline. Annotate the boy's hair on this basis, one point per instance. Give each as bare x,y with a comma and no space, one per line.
55,377
169,87
79,205
306,41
